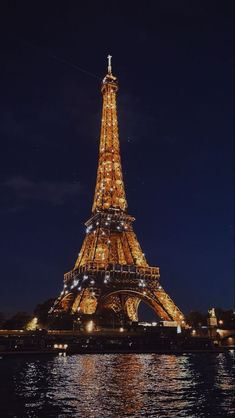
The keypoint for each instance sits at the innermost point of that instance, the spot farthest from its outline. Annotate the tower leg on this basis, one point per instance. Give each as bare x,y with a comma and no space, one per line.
167,308
131,308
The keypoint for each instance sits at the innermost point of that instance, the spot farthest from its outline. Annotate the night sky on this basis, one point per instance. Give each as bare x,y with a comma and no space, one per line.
173,60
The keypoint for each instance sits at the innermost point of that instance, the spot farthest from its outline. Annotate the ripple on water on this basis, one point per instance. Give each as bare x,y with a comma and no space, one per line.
123,385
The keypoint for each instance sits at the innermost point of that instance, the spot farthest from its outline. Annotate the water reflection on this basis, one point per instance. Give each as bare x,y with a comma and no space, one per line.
126,377
91,386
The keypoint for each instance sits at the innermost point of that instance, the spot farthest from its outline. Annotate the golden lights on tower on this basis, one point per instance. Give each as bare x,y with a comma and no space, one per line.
111,258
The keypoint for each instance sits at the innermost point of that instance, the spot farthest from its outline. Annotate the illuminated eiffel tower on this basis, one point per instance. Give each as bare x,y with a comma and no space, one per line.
111,273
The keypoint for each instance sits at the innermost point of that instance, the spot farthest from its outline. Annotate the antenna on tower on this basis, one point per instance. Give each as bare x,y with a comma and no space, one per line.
109,64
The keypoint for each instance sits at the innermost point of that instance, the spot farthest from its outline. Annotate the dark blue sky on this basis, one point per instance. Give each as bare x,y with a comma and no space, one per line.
175,70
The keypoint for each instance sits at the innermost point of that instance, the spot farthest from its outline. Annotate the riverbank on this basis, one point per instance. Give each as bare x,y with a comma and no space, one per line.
158,341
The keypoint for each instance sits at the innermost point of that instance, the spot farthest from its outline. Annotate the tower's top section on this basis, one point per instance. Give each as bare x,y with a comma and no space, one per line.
109,79
109,191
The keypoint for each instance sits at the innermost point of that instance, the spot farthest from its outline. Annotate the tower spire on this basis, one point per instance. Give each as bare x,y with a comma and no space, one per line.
109,191
109,64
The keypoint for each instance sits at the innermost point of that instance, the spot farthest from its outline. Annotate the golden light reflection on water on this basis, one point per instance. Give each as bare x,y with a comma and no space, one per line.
91,386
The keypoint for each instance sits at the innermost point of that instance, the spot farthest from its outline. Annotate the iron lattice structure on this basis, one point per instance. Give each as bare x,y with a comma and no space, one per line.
111,272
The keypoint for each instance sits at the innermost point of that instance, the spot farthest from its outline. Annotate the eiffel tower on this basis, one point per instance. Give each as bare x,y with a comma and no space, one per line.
111,273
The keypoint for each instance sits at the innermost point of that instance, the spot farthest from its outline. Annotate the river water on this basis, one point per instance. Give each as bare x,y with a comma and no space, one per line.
118,385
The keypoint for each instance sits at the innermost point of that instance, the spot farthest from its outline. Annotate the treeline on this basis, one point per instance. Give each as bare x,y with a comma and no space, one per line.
225,318
20,320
